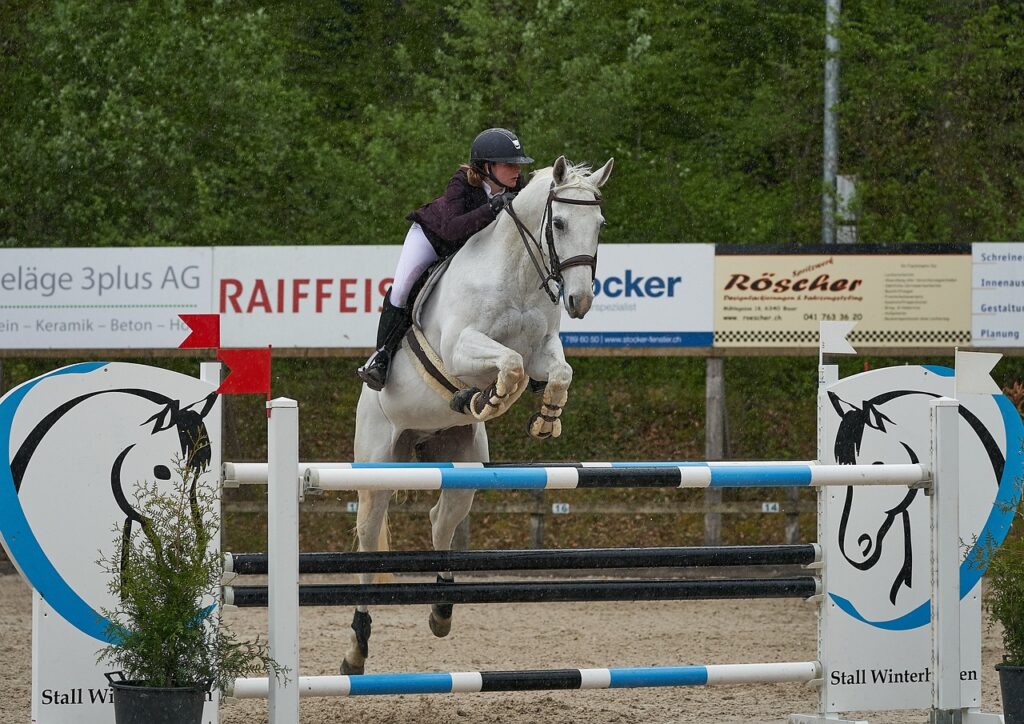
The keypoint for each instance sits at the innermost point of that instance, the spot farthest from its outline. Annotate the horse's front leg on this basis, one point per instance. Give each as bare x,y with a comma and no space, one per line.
549,365
477,354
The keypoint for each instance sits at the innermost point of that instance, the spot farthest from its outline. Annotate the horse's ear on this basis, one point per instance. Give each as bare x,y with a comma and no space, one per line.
559,170
600,176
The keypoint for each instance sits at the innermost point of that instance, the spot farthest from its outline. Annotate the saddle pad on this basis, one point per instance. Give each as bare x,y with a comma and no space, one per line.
423,293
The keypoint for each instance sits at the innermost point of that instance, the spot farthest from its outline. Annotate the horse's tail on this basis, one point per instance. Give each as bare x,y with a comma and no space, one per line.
384,544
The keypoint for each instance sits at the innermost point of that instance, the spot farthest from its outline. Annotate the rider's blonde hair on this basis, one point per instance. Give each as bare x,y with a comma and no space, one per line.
472,175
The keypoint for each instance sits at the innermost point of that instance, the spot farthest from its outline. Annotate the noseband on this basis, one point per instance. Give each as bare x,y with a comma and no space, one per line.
553,273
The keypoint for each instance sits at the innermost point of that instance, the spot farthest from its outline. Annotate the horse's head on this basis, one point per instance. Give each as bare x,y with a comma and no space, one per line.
565,202
573,230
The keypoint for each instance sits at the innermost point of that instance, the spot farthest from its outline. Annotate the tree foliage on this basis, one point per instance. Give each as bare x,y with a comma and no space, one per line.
174,122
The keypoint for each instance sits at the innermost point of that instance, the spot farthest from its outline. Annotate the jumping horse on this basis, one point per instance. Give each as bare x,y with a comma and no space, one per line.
486,328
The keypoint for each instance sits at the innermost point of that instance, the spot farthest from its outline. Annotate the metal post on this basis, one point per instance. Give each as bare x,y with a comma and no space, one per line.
714,444
537,520
792,516
831,143
828,374
945,563
283,491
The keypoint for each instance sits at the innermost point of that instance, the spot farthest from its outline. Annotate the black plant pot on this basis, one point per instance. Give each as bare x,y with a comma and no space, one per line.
135,703
1011,683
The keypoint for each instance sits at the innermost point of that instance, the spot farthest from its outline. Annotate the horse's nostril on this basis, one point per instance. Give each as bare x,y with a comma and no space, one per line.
572,303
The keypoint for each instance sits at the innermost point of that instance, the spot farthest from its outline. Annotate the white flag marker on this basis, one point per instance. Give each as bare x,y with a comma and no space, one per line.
972,373
832,337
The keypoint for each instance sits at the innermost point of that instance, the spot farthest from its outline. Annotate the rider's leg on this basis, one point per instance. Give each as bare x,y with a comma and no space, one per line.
417,255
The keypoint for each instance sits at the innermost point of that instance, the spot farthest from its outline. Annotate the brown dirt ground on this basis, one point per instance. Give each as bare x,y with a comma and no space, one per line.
563,635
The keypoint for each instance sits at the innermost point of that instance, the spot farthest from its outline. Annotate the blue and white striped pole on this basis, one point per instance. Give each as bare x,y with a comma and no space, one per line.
687,475
235,474
537,680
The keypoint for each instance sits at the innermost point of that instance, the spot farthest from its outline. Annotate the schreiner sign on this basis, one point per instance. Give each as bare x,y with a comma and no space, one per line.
997,296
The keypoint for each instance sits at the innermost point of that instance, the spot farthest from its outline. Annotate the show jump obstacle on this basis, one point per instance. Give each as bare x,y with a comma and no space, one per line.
911,461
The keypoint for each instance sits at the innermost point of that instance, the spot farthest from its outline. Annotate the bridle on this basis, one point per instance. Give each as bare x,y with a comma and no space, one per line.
553,273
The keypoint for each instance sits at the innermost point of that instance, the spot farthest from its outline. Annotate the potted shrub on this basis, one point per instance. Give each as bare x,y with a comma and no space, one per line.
1005,604
171,646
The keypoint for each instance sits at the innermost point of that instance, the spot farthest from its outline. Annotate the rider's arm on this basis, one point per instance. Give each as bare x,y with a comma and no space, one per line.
456,222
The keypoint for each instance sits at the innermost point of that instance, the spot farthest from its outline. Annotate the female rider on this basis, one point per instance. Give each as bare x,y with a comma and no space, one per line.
474,197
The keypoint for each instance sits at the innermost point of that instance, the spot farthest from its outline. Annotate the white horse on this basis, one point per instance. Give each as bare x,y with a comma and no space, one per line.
492,321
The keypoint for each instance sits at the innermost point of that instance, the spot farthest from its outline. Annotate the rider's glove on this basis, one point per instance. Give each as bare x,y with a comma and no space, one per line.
500,201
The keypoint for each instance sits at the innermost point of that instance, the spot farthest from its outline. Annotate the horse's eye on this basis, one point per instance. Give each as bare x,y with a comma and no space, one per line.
160,472
559,224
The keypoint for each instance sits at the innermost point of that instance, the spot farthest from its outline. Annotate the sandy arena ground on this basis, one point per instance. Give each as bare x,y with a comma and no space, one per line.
562,635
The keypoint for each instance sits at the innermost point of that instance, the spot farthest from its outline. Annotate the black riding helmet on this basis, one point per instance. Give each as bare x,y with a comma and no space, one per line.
497,145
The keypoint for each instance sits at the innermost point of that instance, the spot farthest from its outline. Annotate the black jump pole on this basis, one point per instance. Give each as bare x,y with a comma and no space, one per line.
535,559
532,591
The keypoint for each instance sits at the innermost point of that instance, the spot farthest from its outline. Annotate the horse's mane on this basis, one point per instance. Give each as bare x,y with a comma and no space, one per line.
577,175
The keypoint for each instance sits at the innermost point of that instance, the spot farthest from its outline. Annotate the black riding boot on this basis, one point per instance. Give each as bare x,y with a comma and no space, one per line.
394,323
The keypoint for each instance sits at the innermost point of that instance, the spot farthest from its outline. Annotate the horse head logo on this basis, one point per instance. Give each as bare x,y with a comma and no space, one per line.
106,438
882,533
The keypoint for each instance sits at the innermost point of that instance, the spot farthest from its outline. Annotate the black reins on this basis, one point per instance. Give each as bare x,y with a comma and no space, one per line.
535,252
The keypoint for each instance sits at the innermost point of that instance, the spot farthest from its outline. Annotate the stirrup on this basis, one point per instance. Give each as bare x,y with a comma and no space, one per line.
375,372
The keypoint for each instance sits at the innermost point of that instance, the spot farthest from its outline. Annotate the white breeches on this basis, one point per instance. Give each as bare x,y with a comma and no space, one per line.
417,255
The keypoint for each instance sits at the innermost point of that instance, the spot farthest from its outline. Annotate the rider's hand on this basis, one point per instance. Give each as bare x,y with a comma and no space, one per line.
500,201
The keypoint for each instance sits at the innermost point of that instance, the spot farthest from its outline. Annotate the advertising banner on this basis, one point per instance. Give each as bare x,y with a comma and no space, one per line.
123,298
648,295
301,296
997,297
917,300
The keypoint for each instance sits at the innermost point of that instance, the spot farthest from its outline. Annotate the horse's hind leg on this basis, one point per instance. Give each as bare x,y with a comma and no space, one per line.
451,508
375,441
370,529
462,444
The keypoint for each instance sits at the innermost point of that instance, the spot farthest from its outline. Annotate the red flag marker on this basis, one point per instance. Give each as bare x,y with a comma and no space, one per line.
205,331
248,371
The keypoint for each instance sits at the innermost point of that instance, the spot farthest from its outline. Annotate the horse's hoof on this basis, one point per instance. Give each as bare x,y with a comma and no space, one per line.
348,669
535,427
440,627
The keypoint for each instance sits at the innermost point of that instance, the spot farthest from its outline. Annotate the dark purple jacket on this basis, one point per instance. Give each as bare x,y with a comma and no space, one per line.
449,220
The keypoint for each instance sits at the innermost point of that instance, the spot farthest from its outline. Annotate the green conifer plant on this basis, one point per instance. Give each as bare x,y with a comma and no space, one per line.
166,577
